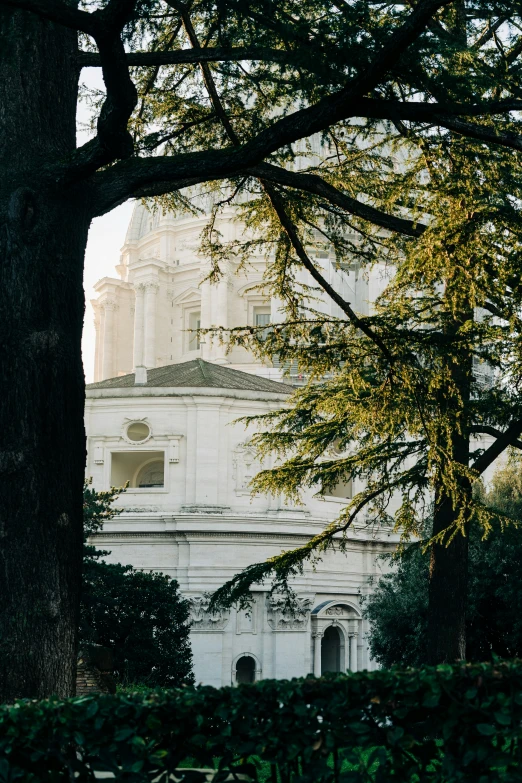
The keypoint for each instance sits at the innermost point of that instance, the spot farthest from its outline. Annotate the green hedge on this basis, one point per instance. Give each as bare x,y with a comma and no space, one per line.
460,723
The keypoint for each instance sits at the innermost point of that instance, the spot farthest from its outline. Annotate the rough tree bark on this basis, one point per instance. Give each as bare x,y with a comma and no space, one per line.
42,452
448,590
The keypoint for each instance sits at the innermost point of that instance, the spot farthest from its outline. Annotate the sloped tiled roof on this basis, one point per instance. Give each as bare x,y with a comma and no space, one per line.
197,373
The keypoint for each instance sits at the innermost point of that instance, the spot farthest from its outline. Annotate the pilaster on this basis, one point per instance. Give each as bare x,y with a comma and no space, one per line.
150,296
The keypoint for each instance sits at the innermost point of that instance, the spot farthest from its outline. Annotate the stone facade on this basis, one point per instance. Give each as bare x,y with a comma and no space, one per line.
190,516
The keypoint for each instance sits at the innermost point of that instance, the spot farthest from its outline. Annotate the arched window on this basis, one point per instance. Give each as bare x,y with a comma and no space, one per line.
245,669
331,650
151,475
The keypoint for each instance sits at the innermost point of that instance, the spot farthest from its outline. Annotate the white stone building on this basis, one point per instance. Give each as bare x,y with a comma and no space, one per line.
170,430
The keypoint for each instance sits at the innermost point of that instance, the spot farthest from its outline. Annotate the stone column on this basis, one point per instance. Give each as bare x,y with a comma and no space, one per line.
108,339
138,325
353,652
317,653
149,353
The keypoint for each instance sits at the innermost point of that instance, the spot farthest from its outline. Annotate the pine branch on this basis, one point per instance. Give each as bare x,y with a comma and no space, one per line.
161,175
195,56
276,200
288,563
480,132
288,226
206,73
289,129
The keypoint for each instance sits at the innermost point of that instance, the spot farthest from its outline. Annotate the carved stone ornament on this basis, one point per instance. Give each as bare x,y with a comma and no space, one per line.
337,611
282,617
245,465
126,424
202,618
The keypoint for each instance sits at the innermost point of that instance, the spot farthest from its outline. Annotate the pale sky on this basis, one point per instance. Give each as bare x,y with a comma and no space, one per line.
106,237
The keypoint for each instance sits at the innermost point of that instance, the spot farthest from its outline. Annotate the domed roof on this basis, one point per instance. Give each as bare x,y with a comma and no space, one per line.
142,221
145,220
197,374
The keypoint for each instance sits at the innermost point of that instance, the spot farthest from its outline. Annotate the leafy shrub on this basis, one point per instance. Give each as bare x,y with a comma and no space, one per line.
450,723
141,616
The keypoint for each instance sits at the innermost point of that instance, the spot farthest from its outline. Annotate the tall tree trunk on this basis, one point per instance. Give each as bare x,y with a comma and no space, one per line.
448,590
43,233
448,581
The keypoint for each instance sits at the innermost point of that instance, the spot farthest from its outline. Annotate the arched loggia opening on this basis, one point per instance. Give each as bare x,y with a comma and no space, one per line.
331,650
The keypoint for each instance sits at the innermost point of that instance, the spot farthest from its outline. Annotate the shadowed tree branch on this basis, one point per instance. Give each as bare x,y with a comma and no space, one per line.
276,200
486,429
312,183
504,439
129,179
58,12
308,121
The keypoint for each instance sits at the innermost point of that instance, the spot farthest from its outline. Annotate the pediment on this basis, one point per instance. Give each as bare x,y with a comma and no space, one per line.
251,289
189,296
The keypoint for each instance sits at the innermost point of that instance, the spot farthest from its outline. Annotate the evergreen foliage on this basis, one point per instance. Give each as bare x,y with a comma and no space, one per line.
139,615
395,398
398,608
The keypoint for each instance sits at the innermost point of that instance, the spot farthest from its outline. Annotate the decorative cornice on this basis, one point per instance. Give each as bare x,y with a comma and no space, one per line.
246,535
157,534
195,508
184,534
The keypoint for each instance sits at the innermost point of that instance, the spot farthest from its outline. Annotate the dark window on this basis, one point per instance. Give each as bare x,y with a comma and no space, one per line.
245,669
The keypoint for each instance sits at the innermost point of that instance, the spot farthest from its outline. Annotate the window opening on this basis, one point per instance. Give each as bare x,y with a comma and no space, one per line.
342,490
141,469
262,318
138,431
194,323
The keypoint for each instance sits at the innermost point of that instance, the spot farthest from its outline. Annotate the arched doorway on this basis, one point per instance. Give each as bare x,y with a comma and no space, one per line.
331,650
245,669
